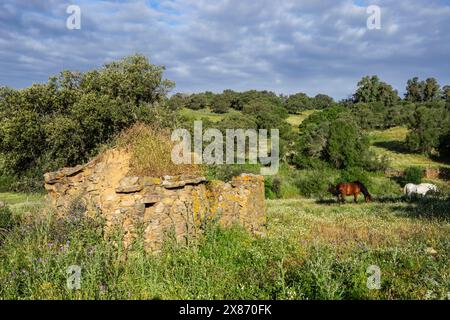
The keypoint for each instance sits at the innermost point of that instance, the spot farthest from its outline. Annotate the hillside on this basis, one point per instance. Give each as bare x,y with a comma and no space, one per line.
390,143
387,143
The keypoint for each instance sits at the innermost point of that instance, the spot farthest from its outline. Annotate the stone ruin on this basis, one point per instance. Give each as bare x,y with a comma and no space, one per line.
179,206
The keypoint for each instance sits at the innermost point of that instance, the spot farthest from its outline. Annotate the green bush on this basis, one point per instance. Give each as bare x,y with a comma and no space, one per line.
382,186
354,174
332,136
274,187
298,102
315,183
413,175
269,194
429,124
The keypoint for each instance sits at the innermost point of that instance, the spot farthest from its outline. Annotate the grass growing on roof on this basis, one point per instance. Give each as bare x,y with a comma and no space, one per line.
151,152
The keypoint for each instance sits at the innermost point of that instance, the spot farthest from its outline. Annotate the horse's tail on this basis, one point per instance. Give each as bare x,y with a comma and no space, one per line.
363,189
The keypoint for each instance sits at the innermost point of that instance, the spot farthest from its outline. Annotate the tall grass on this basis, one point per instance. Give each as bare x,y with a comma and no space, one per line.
311,251
151,152
314,183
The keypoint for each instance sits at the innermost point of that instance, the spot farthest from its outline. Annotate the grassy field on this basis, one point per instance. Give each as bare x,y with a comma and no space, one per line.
17,200
296,119
390,143
203,113
312,250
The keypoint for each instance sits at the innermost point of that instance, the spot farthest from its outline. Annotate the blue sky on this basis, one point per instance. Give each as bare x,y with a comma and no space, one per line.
286,46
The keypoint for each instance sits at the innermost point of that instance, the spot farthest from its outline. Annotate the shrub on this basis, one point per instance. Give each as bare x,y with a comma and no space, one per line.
29,181
177,101
428,125
220,104
444,146
334,137
268,189
197,102
276,186
273,187
374,163
413,175
315,183
354,174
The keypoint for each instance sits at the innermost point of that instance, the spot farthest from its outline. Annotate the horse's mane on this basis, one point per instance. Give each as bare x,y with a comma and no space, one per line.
363,188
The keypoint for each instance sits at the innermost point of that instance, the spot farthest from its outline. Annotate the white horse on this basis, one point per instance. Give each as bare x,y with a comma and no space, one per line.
419,189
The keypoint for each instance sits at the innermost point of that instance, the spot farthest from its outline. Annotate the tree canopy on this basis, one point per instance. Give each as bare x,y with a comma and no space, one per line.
63,121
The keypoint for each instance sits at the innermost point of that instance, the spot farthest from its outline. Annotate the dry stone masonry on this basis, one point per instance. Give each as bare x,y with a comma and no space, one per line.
177,206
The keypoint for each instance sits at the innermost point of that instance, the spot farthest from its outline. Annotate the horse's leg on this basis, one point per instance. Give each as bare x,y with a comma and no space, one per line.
356,197
343,198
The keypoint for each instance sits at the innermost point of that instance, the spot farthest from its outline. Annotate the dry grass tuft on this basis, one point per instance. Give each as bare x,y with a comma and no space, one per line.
151,149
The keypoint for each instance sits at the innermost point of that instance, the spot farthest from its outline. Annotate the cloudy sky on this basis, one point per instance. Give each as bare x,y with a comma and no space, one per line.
286,46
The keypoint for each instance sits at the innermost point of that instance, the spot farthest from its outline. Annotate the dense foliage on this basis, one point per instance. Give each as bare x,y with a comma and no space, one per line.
333,136
371,89
67,120
413,175
64,121
429,125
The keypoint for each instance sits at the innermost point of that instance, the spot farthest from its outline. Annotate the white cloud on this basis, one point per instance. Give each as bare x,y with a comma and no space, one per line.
287,46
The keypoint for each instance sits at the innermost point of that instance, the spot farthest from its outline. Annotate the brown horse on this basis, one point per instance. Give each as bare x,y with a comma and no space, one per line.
350,189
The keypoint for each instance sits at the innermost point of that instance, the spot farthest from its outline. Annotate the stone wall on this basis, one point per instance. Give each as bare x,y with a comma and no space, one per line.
177,206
